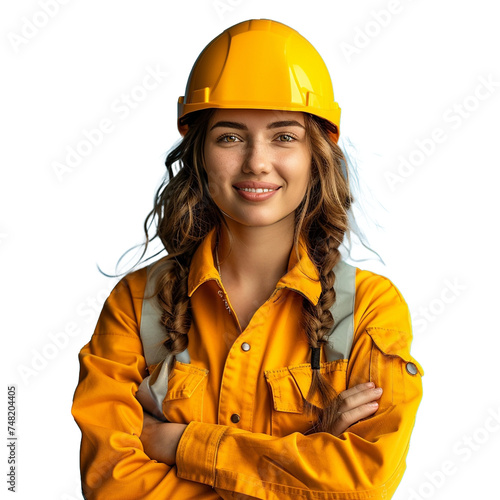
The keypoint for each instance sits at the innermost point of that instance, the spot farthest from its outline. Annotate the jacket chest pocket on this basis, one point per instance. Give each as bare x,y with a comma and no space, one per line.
183,402
289,387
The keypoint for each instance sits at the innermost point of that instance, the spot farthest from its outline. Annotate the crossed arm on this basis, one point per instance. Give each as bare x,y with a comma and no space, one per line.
161,439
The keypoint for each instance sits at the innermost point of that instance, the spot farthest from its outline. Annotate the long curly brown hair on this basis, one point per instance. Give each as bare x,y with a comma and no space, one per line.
184,213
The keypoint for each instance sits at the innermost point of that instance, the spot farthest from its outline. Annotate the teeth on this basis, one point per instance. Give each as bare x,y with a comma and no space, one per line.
256,190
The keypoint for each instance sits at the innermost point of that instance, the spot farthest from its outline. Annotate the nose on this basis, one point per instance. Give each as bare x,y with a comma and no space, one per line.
257,158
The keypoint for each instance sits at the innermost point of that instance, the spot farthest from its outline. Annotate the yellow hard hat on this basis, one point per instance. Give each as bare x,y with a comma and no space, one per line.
260,64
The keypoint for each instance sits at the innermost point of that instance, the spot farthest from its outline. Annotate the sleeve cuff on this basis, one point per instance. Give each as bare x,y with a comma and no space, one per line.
197,452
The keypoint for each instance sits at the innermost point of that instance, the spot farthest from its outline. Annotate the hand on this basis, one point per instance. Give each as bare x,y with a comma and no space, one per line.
160,439
358,402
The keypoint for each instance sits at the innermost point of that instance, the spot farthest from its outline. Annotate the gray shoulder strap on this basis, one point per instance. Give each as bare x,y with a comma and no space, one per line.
152,331
341,338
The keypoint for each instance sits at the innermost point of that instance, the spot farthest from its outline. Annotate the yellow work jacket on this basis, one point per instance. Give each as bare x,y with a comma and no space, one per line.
242,395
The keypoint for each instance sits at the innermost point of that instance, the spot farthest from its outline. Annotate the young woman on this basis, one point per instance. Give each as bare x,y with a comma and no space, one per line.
251,361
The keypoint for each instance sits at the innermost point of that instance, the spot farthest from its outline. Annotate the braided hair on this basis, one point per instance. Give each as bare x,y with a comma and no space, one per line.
185,213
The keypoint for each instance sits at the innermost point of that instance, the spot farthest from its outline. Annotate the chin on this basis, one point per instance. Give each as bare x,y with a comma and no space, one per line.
261,221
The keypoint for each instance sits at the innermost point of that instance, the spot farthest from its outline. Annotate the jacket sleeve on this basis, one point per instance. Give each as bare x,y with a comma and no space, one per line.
366,462
112,459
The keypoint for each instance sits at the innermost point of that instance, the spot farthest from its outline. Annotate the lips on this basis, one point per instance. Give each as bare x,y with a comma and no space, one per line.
256,185
256,191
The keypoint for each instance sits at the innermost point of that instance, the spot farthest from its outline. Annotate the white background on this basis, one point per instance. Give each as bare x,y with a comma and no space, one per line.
397,78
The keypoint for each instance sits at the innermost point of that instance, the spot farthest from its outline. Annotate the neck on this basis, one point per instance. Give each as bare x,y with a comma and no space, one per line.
255,256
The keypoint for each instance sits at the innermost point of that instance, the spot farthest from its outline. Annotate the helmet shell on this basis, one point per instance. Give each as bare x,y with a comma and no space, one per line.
260,64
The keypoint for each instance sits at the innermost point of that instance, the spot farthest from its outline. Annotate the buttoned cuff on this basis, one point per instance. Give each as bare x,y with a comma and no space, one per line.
197,452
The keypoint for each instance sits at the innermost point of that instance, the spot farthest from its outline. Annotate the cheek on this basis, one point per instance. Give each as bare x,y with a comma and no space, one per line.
218,173
302,173
214,183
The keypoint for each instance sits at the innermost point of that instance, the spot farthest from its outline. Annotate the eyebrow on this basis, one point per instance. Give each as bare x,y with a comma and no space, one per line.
241,126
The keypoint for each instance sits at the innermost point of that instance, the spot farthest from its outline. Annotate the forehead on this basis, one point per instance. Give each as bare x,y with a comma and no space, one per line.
256,117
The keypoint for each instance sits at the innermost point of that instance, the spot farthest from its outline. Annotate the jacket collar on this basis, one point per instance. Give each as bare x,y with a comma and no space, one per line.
302,275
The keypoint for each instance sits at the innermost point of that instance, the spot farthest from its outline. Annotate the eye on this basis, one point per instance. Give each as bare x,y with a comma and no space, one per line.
228,138
285,138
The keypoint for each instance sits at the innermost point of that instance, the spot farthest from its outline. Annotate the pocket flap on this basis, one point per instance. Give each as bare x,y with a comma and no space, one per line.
286,394
333,371
290,386
183,380
394,343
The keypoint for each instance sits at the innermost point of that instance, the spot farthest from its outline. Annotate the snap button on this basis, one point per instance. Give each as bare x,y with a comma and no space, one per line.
245,346
235,418
411,368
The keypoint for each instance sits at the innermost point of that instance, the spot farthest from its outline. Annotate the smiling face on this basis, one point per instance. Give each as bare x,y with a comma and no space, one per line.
258,164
